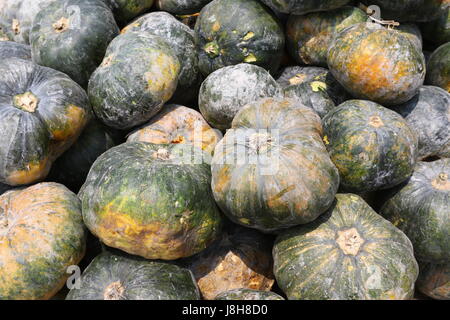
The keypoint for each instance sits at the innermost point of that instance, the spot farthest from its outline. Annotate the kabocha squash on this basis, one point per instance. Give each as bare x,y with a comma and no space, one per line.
151,200
225,91
72,167
272,171
42,112
349,253
41,235
248,294
434,280
412,32
438,73
427,115
178,124
72,36
10,49
438,31
125,10
299,7
181,38
420,209
376,63
373,147
124,93
112,276
308,36
181,7
229,32
240,259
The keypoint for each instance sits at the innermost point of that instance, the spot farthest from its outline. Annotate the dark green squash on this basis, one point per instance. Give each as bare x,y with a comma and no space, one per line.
10,49
137,76
181,7
225,91
420,209
427,115
349,253
41,235
272,171
438,68
373,147
299,7
229,32
434,280
376,63
113,276
181,38
42,113
309,36
152,200
438,31
72,36
248,294
125,10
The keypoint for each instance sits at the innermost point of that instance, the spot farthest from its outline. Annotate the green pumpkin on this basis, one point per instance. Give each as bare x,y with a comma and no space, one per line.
299,7
373,147
113,276
181,7
349,253
438,31
438,67
72,36
229,32
434,280
225,91
10,49
420,208
376,63
42,113
151,200
272,171
309,36
137,76
125,10
427,115
248,294
181,38
41,235
412,32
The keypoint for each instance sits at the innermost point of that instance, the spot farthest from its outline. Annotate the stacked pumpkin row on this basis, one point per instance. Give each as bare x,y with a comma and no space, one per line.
194,213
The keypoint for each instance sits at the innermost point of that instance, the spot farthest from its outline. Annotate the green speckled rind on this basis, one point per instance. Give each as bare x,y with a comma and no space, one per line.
434,280
225,91
309,263
438,66
44,235
138,75
288,180
369,154
152,207
438,31
420,209
377,64
140,279
229,32
125,10
181,7
309,36
10,49
300,7
413,33
248,294
428,115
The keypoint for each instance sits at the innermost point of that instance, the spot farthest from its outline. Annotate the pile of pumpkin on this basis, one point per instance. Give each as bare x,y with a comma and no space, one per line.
225,149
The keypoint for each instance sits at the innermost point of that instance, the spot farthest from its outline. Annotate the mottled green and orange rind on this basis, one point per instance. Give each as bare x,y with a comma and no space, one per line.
439,68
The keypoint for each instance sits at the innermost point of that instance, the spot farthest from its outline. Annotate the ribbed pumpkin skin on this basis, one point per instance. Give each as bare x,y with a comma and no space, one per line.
309,36
420,209
42,112
229,32
373,147
41,235
377,64
240,259
125,10
299,7
178,124
427,115
272,170
113,276
10,49
124,93
438,31
225,91
349,253
181,6
163,199
248,294
181,38
438,67
434,280
72,36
